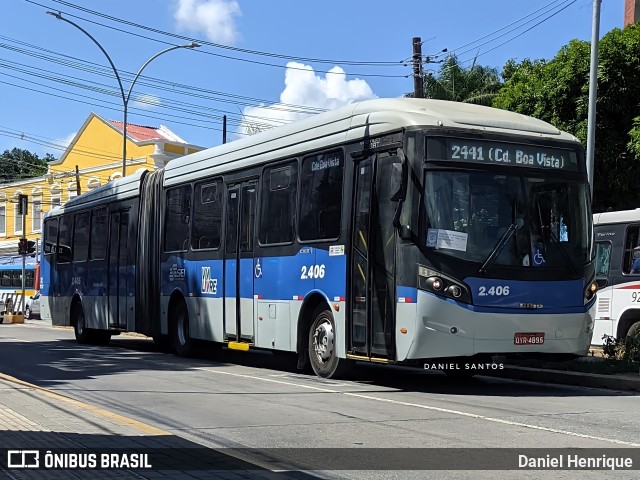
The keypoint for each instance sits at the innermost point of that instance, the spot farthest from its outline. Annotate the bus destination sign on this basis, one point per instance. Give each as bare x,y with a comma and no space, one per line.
500,153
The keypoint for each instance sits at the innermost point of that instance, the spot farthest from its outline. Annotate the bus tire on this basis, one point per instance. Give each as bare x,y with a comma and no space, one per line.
82,333
634,330
322,348
181,339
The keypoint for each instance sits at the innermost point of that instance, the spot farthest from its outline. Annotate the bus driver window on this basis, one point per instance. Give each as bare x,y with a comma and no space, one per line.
631,263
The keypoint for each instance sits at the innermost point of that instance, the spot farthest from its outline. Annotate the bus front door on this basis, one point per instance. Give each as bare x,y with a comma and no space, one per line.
117,276
373,268
238,272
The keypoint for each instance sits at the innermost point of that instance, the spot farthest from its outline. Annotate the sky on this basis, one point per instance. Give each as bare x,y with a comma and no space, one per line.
261,63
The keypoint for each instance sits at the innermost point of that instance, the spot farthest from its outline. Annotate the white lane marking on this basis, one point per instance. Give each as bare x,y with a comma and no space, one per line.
429,407
326,390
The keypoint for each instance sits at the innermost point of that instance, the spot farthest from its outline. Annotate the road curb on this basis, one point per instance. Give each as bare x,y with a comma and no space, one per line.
626,382
142,427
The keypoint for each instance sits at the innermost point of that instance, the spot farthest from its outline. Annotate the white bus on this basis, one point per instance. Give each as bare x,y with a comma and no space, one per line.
390,231
617,239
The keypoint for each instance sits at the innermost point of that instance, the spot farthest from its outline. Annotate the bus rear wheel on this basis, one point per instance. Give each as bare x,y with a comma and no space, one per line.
181,338
322,347
82,333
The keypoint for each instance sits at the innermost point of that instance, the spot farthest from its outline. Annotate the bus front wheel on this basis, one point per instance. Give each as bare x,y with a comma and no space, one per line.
181,338
634,330
323,354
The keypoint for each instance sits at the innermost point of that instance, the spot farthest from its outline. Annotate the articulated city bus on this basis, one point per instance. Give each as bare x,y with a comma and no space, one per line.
617,239
390,231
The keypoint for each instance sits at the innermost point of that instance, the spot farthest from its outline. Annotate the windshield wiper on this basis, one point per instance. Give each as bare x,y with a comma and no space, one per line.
517,225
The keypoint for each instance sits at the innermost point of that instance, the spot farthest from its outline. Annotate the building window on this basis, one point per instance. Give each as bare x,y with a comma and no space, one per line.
3,218
36,215
55,201
17,223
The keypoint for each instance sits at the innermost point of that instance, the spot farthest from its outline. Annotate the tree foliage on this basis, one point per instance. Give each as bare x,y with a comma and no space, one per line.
473,84
557,91
17,164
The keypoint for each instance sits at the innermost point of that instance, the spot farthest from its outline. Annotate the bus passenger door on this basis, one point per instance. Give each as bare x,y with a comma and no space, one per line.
373,296
238,273
117,276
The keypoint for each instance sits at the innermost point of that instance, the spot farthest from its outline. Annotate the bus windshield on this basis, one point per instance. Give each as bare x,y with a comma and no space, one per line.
467,214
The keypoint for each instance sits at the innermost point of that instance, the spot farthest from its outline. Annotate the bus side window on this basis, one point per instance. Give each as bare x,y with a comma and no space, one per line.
207,215
631,250
278,204
178,218
64,239
50,236
321,196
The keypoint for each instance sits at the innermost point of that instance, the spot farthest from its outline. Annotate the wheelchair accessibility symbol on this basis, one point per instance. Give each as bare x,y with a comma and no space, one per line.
258,269
538,258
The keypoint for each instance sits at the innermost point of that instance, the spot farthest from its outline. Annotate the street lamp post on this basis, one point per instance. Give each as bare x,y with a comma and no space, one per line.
125,98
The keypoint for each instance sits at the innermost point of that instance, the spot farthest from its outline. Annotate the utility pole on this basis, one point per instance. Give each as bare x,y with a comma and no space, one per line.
593,93
23,199
78,180
418,86
224,129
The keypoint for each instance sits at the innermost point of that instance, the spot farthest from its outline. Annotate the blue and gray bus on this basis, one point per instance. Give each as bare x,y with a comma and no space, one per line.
390,231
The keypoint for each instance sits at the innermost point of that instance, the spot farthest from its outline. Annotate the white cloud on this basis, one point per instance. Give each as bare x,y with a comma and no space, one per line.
64,142
146,101
214,18
304,87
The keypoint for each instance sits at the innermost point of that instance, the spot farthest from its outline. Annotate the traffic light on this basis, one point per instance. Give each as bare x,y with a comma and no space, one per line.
26,247
22,246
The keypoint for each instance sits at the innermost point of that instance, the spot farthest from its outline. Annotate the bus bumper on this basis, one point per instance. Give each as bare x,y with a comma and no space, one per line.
445,329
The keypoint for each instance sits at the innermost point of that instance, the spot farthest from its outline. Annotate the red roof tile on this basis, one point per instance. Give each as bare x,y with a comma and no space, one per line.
141,132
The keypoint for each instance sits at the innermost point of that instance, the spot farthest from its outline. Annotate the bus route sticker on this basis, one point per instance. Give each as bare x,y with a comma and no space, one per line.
450,239
335,250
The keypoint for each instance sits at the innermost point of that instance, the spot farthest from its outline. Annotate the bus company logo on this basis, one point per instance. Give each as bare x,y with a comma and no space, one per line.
23,458
176,273
209,285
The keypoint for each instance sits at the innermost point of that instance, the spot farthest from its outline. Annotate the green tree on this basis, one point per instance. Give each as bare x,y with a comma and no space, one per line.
473,84
557,91
18,164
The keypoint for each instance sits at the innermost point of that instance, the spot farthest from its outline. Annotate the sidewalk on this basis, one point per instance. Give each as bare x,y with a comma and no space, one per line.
33,418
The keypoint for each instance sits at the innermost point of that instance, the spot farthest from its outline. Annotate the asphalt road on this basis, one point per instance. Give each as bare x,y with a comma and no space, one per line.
254,399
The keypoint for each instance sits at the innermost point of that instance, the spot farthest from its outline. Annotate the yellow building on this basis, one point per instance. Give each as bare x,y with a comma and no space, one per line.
93,158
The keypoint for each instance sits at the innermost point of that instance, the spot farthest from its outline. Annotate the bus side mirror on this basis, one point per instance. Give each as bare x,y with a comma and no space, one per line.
399,178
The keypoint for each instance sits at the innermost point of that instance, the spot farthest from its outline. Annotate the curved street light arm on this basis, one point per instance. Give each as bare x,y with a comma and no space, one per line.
125,98
60,17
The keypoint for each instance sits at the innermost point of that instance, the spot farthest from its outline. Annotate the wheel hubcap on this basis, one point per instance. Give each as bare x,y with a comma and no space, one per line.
323,341
80,324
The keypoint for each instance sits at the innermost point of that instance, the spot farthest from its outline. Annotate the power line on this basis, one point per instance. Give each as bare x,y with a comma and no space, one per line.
571,2
507,26
228,47
256,62
98,69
